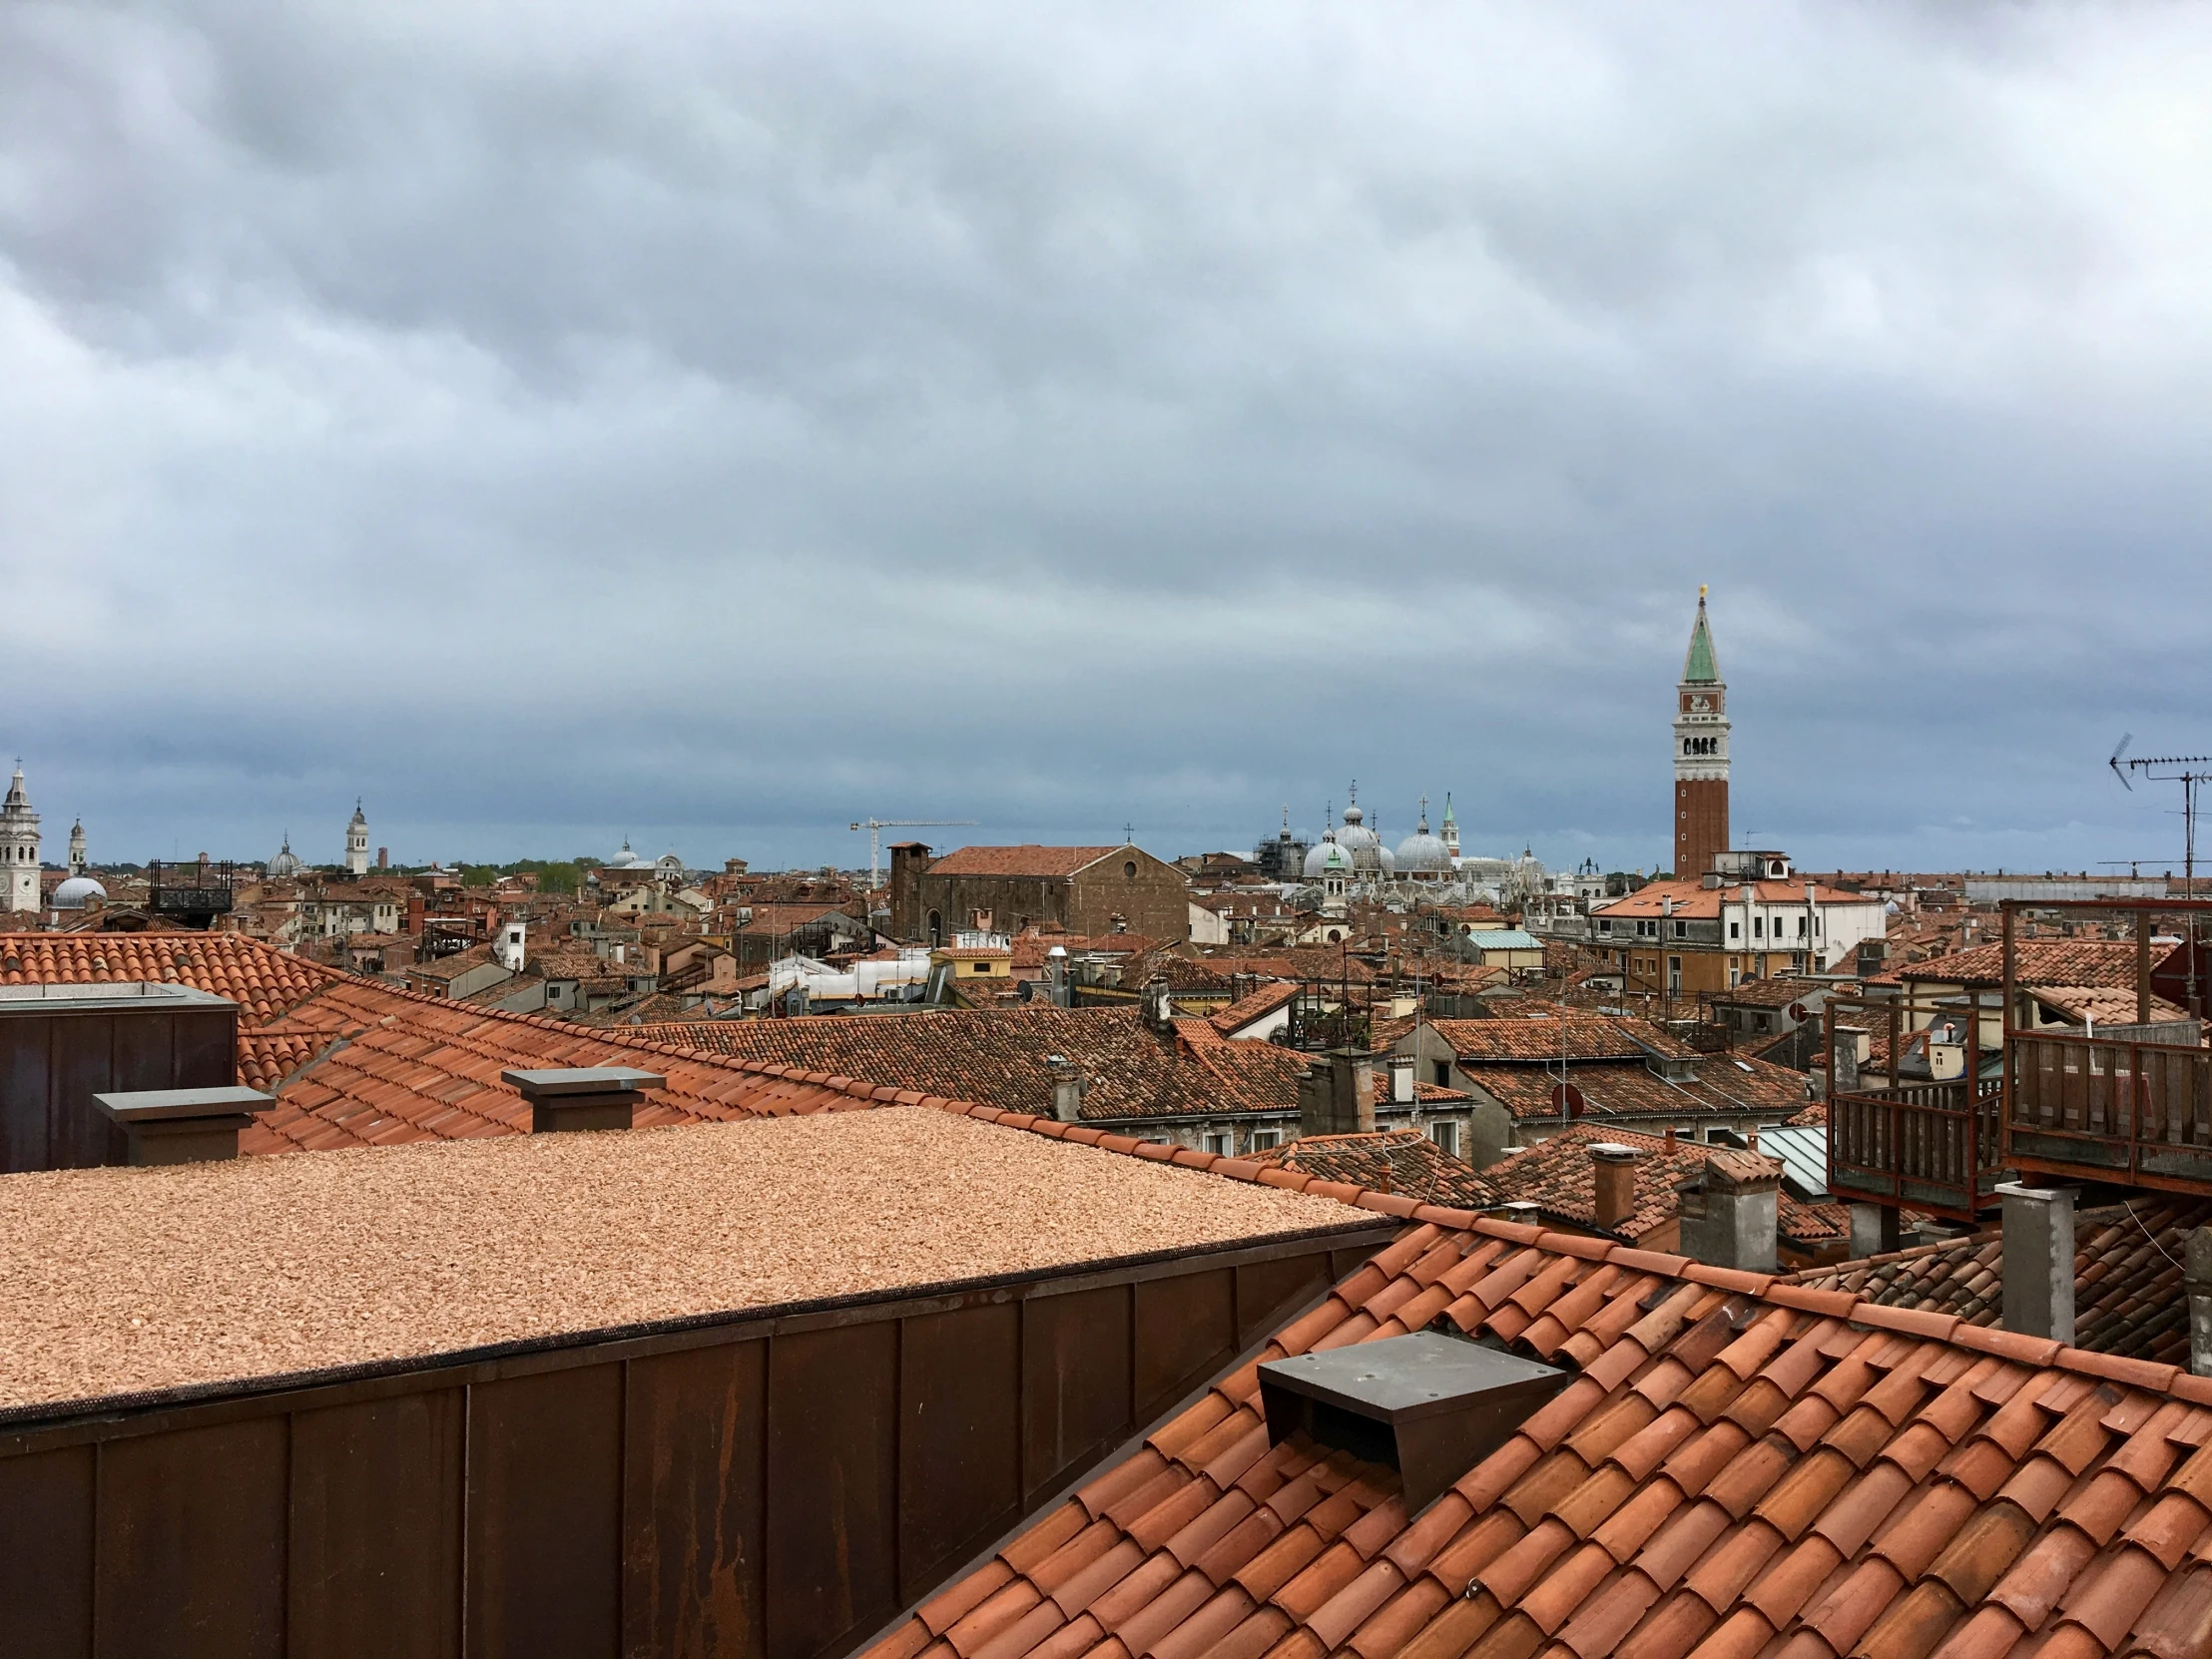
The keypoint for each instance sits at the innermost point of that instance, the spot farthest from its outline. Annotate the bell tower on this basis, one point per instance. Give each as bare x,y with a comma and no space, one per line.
1700,756
19,848
356,842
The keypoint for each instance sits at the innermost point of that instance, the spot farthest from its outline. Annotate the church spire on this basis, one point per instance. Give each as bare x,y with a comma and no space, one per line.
1697,665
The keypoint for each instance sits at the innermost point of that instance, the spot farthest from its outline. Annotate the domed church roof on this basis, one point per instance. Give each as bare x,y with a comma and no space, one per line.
77,891
1326,857
1422,854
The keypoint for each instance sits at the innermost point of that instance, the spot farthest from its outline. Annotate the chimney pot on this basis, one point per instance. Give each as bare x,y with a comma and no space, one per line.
181,1126
1067,1089
570,1099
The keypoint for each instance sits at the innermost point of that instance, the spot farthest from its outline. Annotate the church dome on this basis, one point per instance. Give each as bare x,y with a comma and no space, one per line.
78,892
285,863
1422,854
1356,838
1326,857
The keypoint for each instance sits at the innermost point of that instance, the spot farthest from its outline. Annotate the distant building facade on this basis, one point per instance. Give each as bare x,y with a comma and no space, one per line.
1081,890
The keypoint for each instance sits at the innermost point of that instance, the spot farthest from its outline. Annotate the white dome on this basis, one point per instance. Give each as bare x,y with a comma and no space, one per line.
76,892
1326,857
1422,853
1356,838
285,863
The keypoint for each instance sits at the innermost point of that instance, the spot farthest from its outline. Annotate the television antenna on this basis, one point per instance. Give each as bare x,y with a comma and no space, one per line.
2189,771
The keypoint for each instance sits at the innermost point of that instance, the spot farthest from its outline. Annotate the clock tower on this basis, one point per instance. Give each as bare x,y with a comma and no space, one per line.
1700,756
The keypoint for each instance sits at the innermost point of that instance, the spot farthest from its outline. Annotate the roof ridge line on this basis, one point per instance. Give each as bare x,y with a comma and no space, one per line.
1773,1288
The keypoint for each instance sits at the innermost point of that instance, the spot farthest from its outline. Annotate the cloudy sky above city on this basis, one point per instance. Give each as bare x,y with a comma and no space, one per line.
713,424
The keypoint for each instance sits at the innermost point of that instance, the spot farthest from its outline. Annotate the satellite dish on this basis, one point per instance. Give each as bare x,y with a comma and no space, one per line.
1567,1098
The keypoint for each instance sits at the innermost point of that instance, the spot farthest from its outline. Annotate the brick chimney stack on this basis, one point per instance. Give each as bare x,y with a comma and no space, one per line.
1613,1169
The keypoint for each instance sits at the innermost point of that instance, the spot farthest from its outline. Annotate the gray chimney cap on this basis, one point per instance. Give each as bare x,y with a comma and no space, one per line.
582,1081
157,1105
1612,1152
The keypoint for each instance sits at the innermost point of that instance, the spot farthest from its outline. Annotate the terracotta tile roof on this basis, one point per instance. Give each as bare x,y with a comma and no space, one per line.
1021,860
392,1066
1768,993
2105,1005
1556,1175
1000,1057
1733,1083
1402,1161
1697,902
1740,1466
2127,1276
263,981
2035,961
1257,1006
1538,1038
1030,947
1321,964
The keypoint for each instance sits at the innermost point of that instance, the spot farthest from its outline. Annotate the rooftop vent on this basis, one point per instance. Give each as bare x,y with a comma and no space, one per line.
582,1097
181,1126
1427,1405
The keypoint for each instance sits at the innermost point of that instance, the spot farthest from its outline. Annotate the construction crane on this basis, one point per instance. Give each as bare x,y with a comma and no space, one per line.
875,828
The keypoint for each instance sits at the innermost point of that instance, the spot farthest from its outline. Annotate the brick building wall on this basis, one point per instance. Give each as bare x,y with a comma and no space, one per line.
1700,824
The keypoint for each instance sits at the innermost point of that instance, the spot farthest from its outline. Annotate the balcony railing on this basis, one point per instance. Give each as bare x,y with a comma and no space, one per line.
1933,1147
2097,1108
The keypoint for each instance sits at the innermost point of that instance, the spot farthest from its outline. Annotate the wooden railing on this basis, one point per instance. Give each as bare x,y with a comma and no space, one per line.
1933,1147
2133,1112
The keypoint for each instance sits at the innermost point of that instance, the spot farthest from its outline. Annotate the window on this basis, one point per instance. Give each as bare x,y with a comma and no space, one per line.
1758,927
1681,929
1605,924
1130,869
1735,929
1217,1145
1446,1137
1801,927
1265,1140
1444,1074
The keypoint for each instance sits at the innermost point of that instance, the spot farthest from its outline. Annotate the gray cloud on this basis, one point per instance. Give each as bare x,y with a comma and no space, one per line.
715,424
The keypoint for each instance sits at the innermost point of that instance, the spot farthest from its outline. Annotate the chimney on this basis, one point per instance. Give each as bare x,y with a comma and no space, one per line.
2039,1262
582,1097
1874,1231
1401,1080
2197,1280
1336,1095
1067,1087
181,1126
1730,1211
1613,1171
1159,1009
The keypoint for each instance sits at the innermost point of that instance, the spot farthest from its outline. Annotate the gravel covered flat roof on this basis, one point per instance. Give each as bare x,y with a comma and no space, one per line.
120,1282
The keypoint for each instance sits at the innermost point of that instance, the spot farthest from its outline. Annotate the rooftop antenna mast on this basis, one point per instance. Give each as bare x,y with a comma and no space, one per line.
876,826
2189,771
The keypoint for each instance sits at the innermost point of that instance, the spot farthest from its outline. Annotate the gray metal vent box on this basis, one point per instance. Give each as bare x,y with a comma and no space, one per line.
1430,1406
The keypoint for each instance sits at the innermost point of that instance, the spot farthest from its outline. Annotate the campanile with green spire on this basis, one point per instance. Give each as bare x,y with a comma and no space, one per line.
1700,756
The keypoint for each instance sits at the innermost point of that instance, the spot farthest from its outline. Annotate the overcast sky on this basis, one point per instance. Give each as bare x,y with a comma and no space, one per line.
713,424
